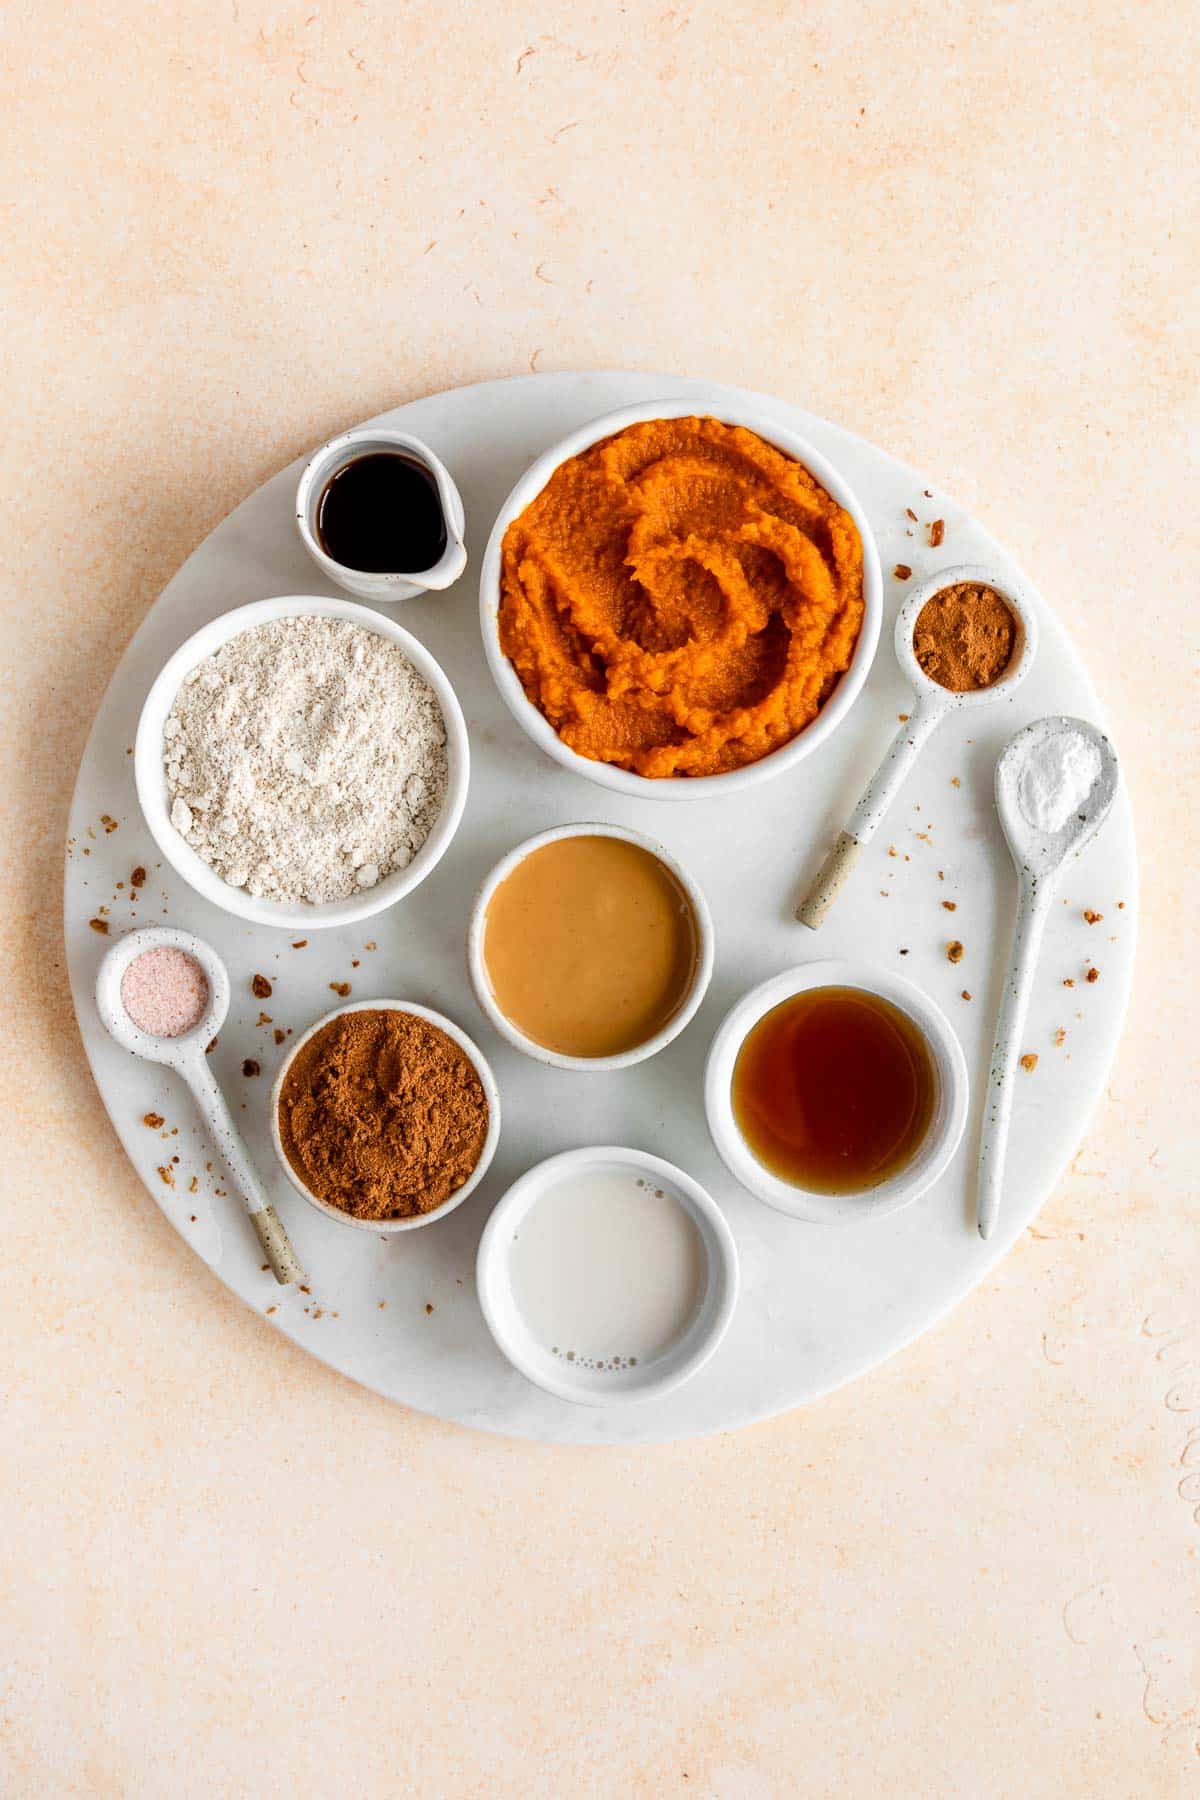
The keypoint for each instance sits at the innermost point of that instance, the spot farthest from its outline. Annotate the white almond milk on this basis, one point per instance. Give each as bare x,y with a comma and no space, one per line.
607,1269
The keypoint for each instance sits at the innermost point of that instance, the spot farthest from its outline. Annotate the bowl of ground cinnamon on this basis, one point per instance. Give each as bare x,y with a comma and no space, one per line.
966,636
385,1115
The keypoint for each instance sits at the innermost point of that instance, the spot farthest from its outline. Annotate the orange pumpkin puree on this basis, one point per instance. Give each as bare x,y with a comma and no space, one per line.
680,599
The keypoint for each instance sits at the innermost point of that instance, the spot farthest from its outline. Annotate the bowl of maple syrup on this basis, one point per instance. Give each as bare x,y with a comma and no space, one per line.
836,1091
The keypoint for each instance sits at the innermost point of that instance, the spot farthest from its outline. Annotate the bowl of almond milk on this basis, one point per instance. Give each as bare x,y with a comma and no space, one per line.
607,1275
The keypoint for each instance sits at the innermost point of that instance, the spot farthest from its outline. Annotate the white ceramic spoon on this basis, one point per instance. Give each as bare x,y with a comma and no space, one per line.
932,704
185,1054
1039,857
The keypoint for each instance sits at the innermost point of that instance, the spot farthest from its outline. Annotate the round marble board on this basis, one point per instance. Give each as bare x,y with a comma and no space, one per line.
819,1304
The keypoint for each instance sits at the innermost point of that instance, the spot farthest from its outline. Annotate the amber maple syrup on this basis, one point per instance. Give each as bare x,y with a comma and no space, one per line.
834,1090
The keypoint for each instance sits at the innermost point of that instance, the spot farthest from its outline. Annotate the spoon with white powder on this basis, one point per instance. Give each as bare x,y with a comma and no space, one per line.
1055,783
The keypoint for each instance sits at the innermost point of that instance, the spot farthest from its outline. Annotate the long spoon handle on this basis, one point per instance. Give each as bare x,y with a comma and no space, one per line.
1032,910
277,1247
863,822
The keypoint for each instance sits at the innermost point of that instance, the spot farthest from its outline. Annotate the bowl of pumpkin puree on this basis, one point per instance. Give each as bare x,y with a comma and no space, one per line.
676,603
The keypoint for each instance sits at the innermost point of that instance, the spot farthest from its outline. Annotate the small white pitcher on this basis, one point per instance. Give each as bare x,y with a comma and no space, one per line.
400,584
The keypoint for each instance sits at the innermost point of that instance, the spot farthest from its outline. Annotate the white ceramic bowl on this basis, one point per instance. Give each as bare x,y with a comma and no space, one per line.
945,1129
477,965
392,1227
572,1381
151,780
622,781
388,587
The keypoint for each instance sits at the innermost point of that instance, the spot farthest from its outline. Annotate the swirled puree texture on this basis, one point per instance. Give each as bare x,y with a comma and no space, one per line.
680,599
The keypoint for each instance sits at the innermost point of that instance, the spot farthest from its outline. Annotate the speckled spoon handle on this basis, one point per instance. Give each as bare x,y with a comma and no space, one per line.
1033,908
864,821
277,1248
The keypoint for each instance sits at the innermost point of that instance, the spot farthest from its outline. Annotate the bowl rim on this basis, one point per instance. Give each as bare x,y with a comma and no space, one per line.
477,964
150,780
466,1043
677,787
724,1274
942,1139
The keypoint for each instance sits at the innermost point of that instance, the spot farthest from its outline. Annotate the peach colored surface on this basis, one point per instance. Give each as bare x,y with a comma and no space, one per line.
962,230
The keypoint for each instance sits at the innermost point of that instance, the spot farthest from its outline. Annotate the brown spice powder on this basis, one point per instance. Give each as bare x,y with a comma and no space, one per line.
383,1115
964,637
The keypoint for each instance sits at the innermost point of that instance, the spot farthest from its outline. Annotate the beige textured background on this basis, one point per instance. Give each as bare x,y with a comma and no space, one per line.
967,231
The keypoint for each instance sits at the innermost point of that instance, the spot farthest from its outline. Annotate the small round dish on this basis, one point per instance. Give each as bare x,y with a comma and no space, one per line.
623,781
582,1385
945,1129
368,585
477,965
1024,650
151,781
392,1227
170,1051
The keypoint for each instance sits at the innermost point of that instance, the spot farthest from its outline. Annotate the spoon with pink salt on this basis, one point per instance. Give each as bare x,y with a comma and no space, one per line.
163,995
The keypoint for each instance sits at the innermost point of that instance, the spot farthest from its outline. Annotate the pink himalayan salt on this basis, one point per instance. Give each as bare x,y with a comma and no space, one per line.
165,992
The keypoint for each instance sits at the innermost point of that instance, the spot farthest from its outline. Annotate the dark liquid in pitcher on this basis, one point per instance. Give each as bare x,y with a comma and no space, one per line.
382,514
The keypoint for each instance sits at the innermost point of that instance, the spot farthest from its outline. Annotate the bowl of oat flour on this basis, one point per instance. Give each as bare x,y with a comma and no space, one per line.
302,762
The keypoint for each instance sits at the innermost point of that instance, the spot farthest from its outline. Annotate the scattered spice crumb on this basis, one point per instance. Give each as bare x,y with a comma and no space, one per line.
954,951
428,1307
153,1120
954,781
1120,906
950,905
928,493
892,850
909,513
340,987
305,1290
194,1187
1093,918
109,824
270,1310
166,1174
1093,975
318,1312
902,572
100,925
264,1268
904,953
265,1019
354,962
1067,982
1060,1036
941,874
966,994
937,532
250,1067
1029,1062
300,944
260,987
903,718
369,946
279,1035
382,1305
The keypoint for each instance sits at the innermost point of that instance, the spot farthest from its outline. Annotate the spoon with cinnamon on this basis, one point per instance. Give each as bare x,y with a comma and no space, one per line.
963,639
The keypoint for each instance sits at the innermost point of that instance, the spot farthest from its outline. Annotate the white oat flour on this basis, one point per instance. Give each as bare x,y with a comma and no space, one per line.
306,759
